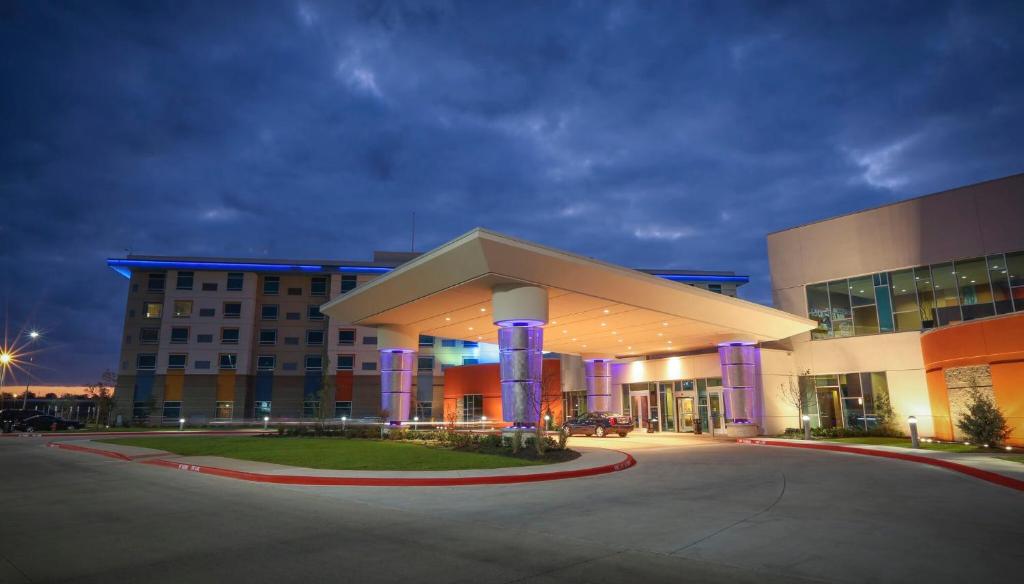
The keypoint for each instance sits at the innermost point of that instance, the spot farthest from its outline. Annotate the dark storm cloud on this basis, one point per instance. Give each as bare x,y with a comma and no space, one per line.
668,134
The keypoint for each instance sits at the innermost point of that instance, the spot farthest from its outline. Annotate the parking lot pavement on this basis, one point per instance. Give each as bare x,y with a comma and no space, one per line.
697,511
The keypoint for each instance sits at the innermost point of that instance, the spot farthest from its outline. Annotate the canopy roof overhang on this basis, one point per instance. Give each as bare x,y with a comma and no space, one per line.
595,307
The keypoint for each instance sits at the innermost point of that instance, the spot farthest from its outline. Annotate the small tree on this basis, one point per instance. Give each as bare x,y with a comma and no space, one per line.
792,395
102,393
983,423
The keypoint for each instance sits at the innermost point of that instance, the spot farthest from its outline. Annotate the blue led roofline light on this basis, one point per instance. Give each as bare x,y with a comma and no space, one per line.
699,278
124,267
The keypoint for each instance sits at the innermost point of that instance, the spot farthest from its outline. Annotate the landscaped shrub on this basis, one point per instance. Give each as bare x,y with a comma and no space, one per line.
983,423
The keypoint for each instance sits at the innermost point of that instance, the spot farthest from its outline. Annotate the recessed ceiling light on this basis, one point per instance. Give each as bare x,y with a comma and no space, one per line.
447,318
483,310
470,328
604,324
554,322
606,311
664,324
659,334
614,333
620,340
479,337
995,267
584,346
972,281
564,331
630,347
670,342
573,339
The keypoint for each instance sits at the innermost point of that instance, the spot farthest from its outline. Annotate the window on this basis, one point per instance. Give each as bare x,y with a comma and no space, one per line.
975,290
345,362
472,407
313,313
179,335
207,312
1001,294
348,283
716,288
204,338
448,342
172,410
368,366
149,336
318,286
261,409
232,310
185,280
426,341
177,361
470,361
314,337
947,301
424,410
201,365
905,305
271,285
292,316
343,409
314,363
268,312
425,364
470,344
224,410
182,308
152,309
235,281
310,409
209,286
346,337
155,282
1014,269
369,340
265,362
295,291
140,411
268,336
228,361
229,336
145,361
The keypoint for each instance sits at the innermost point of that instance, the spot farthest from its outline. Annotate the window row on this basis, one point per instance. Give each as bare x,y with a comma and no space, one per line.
229,361
157,282
318,286
918,298
184,308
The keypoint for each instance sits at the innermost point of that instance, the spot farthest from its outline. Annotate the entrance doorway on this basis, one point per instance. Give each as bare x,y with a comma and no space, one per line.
712,415
685,414
640,406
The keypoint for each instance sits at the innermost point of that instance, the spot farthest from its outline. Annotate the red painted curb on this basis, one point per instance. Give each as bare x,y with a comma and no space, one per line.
75,448
130,434
984,475
625,463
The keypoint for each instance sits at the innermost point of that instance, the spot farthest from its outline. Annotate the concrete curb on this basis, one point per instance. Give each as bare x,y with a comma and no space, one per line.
309,480
977,473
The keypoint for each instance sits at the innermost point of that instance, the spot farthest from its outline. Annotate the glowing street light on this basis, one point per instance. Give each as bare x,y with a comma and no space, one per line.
33,335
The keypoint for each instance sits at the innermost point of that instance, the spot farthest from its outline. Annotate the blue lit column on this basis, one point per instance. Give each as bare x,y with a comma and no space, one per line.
739,362
520,313
397,368
599,384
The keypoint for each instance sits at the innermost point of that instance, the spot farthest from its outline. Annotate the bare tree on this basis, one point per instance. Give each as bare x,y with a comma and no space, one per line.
792,394
102,393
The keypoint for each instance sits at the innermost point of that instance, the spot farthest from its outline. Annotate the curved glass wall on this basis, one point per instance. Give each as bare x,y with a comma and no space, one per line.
917,298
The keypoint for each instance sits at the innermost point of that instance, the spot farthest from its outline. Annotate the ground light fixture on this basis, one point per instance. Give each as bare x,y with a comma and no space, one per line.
807,426
344,422
914,442
181,423
266,419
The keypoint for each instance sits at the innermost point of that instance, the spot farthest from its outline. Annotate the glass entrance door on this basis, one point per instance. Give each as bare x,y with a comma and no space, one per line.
641,410
685,414
712,416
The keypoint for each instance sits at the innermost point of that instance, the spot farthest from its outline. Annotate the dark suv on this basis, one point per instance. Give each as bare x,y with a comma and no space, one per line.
599,424
9,419
42,422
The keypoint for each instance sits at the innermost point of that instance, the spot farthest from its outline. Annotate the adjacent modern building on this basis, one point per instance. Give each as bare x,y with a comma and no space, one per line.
899,310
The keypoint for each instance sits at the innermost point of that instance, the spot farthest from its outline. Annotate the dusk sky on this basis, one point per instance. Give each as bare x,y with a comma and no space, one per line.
650,134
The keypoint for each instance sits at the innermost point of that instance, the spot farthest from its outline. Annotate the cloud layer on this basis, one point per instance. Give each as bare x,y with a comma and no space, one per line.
672,134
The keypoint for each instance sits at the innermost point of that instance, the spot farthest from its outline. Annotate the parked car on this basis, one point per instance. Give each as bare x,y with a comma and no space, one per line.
599,424
46,422
9,418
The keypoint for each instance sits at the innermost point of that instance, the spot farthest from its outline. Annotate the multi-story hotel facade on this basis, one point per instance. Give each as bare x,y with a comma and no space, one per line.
899,309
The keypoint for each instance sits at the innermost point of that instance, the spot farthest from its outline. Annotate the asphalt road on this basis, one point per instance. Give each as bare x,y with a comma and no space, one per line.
688,512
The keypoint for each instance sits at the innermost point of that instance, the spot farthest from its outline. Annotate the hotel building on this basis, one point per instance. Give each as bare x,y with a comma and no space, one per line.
901,308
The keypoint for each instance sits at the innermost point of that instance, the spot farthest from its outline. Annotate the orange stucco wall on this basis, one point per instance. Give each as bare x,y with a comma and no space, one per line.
343,383
485,380
996,342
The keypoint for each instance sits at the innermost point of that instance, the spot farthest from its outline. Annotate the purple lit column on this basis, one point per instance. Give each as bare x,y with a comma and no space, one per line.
599,385
396,371
520,312
739,382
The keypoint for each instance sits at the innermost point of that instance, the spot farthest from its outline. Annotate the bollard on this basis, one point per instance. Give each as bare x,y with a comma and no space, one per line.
807,427
266,419
344,419
181,424
914,442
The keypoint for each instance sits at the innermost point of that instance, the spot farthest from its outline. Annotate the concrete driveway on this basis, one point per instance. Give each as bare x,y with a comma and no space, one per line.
690,511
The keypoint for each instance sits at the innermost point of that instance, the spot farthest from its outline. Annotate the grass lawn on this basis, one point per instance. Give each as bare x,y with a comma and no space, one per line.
1012,457
327,453
905,443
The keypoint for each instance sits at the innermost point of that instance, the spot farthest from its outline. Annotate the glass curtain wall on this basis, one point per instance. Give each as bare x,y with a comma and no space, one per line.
847,400
917,298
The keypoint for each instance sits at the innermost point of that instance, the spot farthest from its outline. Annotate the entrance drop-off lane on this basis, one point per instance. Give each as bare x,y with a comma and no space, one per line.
693,510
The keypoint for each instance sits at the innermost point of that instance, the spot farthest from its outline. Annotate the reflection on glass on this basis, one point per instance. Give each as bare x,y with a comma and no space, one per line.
947,301
904,301
842,316
1000,284
975,292
862,291
1015,273
925,295
818,309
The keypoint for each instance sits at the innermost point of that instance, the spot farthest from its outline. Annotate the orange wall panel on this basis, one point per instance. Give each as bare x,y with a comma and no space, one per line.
485,380
173,385
343,383
938,397
226,386
1008,387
